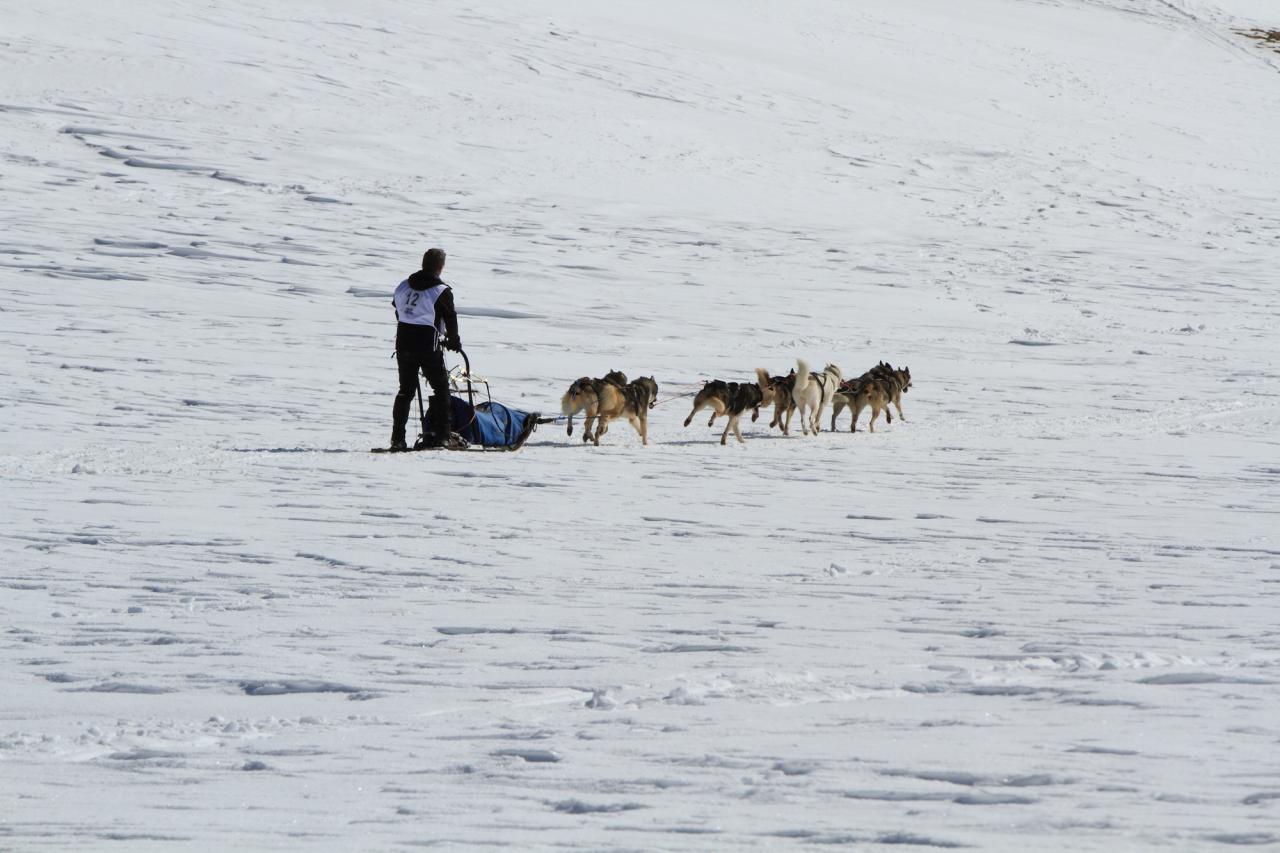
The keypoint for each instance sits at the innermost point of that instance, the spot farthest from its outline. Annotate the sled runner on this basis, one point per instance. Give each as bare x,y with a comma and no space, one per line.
477,427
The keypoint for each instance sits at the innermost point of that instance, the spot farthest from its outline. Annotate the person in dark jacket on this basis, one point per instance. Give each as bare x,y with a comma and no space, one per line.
425,321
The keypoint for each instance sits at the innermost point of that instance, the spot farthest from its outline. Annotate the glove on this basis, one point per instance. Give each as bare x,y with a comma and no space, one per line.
452,344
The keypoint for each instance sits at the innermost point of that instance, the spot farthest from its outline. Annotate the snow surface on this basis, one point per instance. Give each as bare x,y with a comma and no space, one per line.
1040,614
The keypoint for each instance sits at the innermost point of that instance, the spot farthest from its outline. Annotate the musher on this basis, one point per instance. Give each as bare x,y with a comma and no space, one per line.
425,321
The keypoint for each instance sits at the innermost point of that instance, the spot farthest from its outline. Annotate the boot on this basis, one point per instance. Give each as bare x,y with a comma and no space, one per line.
435,426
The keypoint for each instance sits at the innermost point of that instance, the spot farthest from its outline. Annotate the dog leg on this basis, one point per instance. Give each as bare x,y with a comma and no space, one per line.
898,403
737,430
689,419
724,436
875,413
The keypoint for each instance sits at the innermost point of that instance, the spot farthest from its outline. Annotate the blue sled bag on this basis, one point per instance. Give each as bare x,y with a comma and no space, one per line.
492,424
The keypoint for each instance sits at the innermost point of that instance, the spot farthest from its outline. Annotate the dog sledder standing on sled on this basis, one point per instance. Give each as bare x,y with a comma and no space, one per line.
425,321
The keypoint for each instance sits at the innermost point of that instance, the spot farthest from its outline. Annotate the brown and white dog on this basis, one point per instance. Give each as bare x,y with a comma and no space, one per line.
631,401
584,396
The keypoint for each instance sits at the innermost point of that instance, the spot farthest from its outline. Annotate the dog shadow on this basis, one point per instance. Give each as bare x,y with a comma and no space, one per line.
715,439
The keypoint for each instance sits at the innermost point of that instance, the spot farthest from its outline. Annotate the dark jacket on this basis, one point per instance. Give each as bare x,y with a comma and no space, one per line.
411,336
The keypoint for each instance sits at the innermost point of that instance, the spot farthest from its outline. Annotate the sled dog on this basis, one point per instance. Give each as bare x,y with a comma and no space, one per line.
856,394
812,393
877,388
714,395
745,396
899,384
719,396
631,401
783,401
584,396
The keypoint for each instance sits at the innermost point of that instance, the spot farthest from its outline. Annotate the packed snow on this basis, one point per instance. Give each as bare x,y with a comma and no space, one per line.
1039,613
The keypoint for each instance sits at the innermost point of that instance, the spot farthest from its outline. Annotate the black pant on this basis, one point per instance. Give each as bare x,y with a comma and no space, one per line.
431,362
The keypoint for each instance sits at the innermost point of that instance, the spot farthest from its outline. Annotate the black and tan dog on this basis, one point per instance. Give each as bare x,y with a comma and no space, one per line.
747,396
877,388
631,401
717,395
733,399
584,396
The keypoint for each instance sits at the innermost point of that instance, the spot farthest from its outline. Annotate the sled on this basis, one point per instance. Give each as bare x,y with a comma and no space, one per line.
483,427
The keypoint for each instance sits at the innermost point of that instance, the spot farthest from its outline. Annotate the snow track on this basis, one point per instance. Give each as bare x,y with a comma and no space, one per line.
1039,613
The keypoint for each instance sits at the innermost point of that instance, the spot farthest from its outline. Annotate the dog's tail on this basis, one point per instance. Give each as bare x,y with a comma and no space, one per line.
567,408
802,377
763,379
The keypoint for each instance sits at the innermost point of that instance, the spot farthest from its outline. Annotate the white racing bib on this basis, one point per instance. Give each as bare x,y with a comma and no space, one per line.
418,307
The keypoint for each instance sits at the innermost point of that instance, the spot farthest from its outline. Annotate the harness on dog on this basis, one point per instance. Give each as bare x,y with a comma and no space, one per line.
744,396
616,379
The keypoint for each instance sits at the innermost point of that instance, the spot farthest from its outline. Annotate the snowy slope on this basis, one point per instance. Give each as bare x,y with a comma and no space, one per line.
1039,614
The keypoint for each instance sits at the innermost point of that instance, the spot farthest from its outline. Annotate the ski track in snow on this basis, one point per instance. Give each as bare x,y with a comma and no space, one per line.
1039,613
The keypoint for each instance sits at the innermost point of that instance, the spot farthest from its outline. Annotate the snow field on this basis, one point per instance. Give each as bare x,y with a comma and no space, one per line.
1038,614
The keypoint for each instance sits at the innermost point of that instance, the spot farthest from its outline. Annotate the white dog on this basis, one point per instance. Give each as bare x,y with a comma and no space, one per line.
812,393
